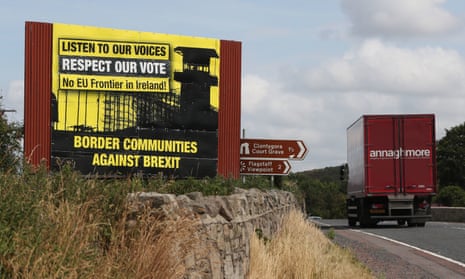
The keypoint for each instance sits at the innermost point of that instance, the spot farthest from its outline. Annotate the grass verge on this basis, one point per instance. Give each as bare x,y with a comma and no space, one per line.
301,250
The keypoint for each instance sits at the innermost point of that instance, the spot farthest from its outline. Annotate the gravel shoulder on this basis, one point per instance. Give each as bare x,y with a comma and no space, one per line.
387,259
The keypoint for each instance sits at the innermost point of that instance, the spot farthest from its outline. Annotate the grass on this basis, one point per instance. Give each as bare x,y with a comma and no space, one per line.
300,250
63,225
71,249
66,226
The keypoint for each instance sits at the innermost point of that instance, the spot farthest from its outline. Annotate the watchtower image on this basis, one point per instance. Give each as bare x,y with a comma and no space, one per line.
189,107
195,110
143,110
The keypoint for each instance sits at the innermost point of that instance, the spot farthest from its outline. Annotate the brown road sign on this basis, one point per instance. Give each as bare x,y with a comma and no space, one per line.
264,167
273,148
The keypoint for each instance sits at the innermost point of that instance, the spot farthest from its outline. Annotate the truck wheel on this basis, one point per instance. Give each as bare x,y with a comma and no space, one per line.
401,222
412,224
368,224
352,222
364,216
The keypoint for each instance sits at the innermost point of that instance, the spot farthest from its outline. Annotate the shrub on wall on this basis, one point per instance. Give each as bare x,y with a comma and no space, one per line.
451,196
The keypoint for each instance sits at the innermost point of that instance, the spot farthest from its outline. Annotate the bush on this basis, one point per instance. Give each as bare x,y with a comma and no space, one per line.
451,196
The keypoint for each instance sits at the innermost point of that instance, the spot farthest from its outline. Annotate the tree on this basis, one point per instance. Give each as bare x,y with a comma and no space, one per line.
451,157
321,198
10,142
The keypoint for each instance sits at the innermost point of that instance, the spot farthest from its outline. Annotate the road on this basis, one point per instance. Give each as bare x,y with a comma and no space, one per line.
438,248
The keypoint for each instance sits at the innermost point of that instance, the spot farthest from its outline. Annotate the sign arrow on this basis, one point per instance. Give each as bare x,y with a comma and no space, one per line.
273,148
264,167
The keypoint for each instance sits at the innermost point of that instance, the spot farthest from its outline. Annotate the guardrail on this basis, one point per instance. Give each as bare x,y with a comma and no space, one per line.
448,214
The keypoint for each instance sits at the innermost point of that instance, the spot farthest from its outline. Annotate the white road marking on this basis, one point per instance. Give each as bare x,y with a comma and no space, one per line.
412,247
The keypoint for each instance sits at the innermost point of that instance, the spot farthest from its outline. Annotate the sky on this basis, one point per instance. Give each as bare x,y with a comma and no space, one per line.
309,68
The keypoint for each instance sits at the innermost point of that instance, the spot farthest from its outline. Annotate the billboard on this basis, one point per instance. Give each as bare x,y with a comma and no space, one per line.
132,102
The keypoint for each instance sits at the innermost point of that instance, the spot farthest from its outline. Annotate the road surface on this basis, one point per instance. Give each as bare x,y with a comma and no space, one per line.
390,251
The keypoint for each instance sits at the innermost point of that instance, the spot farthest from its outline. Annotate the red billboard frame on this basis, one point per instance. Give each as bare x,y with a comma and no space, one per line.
37,100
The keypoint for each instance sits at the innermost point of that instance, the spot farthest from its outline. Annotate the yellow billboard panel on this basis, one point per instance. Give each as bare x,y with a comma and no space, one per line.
101,62
130,102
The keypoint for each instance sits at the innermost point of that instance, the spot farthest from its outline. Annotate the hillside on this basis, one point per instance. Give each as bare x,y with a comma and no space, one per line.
327,174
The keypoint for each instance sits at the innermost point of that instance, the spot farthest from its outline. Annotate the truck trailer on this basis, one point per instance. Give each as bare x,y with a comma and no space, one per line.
391,163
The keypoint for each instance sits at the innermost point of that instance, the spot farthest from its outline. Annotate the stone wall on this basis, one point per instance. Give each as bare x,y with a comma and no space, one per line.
226,224
448,214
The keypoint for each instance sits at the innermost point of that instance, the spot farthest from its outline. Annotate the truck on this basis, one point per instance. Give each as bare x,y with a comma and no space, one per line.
391,165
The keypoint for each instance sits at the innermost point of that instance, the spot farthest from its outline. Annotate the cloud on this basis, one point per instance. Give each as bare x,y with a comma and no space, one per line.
272,109
399,18
316,105
380,67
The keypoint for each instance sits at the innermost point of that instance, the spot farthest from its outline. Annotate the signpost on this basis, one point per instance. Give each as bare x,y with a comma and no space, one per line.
271,148
270,156
264,167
